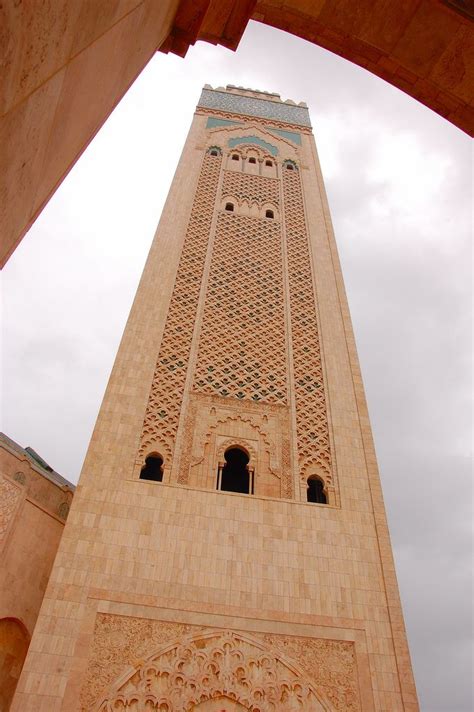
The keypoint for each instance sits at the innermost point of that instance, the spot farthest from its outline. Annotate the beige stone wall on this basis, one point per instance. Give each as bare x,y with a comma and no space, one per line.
144,567
65,66
33,510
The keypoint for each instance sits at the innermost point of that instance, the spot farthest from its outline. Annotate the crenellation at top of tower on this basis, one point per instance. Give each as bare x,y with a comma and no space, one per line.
254,102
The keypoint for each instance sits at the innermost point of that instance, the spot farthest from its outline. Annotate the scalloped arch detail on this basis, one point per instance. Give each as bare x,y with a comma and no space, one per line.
185,674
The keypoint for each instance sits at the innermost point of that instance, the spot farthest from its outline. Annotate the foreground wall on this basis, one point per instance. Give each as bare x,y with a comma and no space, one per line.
34,505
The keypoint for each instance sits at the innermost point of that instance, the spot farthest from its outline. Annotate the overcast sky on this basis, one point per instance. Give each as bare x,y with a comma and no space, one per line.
399,180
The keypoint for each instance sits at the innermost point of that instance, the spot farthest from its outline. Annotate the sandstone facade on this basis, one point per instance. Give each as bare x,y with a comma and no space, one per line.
227,548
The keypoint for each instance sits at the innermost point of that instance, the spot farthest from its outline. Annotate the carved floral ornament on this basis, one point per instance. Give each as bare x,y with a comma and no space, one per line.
197,671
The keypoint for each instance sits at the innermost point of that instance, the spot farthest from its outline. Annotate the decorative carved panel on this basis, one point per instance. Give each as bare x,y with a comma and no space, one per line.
242,350
214,423
251,188
311,411
164,405
139,664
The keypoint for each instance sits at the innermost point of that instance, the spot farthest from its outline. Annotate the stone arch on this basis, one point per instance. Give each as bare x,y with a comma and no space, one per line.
227,198
240,443
274,209
151,446
185,674
265,439
312,469
14,642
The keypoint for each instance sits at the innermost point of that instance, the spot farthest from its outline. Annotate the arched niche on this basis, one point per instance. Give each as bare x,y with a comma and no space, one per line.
14,642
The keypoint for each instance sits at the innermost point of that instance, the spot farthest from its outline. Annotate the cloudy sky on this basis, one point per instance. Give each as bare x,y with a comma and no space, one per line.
399,180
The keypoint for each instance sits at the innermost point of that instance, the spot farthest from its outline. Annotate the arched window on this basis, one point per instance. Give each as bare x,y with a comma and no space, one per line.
235,156
252,160
269,163
229,207
213,152
153,468
235,475
290,167
269,214
315,492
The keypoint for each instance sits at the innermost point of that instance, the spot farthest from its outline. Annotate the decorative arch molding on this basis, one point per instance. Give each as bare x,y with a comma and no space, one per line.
186,674
253,141
223,135
242,419
238,443
154,446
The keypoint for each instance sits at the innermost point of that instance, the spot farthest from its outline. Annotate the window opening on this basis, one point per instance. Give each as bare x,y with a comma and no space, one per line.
235,157
235,475
213,152
252,160
269,214
290,167
315,491
152,469
269,163
229,207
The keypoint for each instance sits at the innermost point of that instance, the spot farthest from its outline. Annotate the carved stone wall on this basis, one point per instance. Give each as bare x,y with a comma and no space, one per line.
311,411
251,188
10,495
164,405
241,353
242,350
262,429
174,667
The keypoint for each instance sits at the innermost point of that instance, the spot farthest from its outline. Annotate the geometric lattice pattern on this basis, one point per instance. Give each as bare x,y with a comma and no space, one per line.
164,404
242,345
311,413
252,188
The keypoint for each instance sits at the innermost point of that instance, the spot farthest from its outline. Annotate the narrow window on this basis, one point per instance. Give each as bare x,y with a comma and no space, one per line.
235,157
315,491
235,475
268,163
229,207
152,469
269,214
252,160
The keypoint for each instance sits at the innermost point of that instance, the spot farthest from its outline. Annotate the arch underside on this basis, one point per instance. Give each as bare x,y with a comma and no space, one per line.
213,672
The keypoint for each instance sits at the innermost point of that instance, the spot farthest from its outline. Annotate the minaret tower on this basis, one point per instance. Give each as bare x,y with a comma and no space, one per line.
227,548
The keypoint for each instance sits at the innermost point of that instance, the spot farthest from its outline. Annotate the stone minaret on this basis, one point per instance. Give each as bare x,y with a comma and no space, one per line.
227,547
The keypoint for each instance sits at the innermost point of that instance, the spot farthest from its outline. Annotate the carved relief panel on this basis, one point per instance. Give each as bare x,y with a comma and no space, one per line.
214,425
139,664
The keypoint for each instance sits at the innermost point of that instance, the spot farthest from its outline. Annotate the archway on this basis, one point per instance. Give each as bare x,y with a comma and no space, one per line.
425,54
235,475
14,641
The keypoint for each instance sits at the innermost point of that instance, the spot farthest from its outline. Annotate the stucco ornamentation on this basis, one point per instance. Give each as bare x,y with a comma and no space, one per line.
121,665
309,387
242,350
164,403
10,495
212,665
